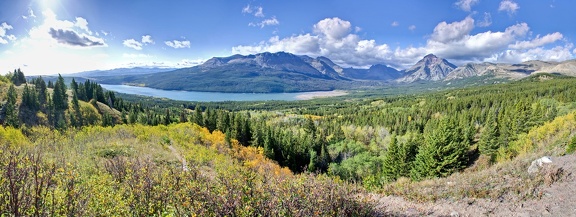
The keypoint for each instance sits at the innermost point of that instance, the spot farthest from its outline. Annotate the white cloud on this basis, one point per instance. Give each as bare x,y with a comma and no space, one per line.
412,27
178,44
135,56
147,39
256,11
395,23
131,43
64,32
509,6
300,44
267,22
487,21
444,32
537,42
30,14
466,5
558,53
82,24
333,38
247,9
259,12
4,27
137,45
333,28
55,46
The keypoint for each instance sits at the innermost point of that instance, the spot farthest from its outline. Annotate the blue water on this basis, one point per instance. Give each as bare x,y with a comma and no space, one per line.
204,96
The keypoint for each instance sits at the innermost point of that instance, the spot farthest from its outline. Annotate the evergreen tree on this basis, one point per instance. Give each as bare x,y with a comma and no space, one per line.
11,118
444,151
59,96
489,142
77,117
399,158
198,118
59,104
29,98
41,91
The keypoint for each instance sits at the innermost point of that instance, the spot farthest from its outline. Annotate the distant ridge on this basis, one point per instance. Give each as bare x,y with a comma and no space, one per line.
286,72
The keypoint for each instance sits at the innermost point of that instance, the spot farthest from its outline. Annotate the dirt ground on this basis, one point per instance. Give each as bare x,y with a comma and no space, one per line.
557,199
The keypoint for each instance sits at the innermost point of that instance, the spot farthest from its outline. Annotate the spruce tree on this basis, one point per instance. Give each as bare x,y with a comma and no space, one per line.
444,151
198,118
11,118
489,138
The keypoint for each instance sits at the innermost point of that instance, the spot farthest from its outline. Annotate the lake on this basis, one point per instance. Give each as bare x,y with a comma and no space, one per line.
218,96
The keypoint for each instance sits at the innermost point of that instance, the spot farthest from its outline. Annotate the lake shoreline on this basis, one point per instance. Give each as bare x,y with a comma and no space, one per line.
198,96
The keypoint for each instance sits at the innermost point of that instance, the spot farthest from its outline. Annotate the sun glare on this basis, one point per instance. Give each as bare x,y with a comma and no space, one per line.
48,4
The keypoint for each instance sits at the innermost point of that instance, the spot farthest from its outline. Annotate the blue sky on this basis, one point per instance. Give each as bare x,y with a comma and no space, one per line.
64,36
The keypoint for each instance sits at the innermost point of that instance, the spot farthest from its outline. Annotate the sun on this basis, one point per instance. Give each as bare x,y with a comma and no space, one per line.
48,4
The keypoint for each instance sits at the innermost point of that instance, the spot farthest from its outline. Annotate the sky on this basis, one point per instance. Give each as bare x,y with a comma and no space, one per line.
66,36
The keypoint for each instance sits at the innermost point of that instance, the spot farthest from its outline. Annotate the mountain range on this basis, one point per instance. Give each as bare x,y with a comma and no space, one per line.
286,72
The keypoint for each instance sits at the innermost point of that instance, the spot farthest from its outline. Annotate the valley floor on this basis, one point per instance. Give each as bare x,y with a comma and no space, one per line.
321,94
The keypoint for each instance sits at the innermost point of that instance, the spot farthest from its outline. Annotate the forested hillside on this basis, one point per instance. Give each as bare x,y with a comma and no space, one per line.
76,149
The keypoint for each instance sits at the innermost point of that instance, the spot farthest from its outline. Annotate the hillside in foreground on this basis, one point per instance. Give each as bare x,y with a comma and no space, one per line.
459,151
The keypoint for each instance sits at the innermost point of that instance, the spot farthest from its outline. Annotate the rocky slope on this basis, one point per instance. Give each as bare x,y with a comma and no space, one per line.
430,68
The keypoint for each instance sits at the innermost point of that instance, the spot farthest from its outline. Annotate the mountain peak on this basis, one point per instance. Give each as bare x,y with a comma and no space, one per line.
430,56
430,68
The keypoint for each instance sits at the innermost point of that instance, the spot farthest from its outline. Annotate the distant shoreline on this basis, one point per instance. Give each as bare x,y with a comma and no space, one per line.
321,94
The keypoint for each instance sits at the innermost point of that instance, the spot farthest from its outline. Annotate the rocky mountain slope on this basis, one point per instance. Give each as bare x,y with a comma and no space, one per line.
430,68
286,72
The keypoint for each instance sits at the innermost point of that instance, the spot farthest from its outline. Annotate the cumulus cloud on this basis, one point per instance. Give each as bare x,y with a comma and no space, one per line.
412,27
71,33
147,39
537,42
70,37
444,32
509,6
267,22
487,21
334,38
178,44
138,45
333,28
131,43
466,5
82,24
4,27
395,23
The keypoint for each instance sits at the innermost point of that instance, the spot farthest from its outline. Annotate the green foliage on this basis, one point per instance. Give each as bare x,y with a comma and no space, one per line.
488,143
80,174
398,159
11,117
444,151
